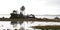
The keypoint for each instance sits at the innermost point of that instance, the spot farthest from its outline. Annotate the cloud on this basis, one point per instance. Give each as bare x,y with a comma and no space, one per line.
57,2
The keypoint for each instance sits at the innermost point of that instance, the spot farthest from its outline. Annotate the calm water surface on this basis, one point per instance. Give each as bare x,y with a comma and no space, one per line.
25,25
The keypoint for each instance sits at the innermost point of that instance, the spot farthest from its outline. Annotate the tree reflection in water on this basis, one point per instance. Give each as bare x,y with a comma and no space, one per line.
26,25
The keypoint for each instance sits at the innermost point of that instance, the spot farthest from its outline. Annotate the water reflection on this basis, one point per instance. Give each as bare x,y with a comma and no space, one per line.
25,25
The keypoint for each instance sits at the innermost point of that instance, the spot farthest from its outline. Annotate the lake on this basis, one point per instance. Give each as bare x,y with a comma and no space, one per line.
25,25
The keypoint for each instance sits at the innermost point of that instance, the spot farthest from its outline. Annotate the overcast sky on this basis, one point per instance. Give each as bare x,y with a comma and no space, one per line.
37,7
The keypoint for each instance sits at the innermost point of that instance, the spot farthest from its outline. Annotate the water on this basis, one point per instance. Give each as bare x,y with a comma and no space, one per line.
49,16
25,25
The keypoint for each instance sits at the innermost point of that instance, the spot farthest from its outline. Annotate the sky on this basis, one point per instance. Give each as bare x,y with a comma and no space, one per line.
36,7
